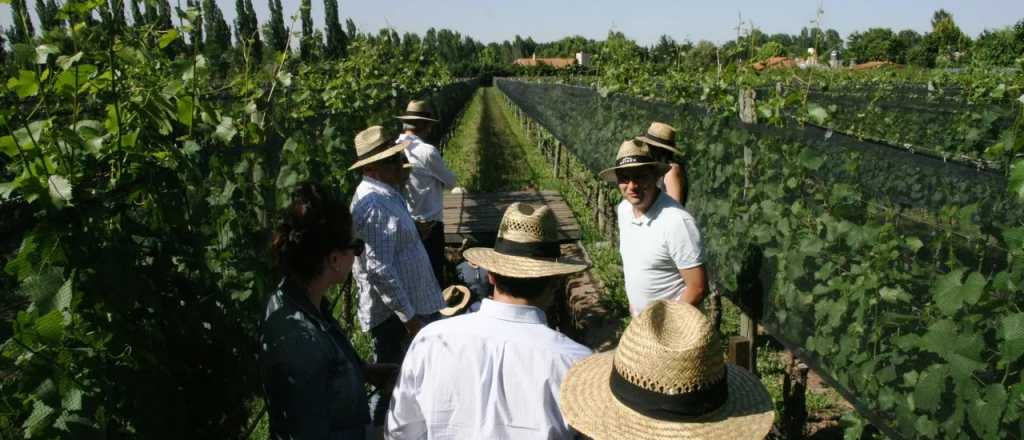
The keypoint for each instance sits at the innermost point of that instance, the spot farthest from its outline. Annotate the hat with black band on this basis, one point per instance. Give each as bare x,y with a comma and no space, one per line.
527,246
661,135
666,379
633,153
417,110
375,144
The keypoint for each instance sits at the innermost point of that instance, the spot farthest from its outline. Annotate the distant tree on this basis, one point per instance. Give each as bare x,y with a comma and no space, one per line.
768,50
22,30
1000,47
137,18
247,31
47,11
946,41
337,42
875,44
218,35
704,55
307,47
163,14
196,35
274,32
665,51
350,28
3,50
906,41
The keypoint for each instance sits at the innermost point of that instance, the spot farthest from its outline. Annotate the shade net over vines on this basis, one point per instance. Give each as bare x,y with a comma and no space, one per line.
892,273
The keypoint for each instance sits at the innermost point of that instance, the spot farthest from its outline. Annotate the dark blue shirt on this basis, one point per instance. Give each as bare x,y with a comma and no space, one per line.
312,376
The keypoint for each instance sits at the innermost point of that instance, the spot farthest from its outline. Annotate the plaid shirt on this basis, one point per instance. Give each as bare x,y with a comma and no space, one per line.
393,273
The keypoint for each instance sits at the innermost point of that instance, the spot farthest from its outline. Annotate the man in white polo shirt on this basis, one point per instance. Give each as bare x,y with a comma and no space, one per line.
660,245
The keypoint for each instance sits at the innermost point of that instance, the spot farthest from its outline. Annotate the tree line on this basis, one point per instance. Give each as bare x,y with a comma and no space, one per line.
246,42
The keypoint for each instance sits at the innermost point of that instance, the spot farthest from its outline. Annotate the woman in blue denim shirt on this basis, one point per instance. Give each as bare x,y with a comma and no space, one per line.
314,380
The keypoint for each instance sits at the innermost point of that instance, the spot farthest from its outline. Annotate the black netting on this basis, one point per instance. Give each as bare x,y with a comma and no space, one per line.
846,249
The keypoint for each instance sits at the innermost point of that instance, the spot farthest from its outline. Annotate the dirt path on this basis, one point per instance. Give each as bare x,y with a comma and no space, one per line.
490,153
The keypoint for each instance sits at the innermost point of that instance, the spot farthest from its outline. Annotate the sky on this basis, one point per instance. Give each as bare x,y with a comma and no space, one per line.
643,21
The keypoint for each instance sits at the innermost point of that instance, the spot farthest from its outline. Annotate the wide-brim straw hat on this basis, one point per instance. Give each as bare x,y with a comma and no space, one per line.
457,298
375,144
662,135
667,379
527,246
632,154
417,111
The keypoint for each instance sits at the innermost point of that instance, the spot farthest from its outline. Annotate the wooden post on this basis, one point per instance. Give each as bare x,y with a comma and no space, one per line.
558,154
600,208
748,329
794,398
739,351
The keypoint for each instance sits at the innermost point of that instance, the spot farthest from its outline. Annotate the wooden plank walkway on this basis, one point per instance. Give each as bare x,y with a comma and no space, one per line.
476,216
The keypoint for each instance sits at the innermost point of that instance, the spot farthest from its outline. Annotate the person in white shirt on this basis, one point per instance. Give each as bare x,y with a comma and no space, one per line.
659,241
424,192
398,293
494,374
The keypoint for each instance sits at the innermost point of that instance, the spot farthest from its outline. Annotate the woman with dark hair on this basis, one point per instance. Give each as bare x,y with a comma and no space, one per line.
314,380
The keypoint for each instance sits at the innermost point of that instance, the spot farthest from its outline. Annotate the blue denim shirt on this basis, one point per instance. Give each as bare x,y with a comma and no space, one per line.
312,376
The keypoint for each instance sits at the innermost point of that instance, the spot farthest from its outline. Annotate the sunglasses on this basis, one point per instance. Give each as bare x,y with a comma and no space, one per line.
356,245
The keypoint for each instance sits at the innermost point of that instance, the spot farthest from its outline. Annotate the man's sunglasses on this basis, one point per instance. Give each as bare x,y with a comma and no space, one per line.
357,246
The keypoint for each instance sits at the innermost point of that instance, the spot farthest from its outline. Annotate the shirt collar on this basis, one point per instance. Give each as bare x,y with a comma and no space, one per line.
647,217
379,186
408,137
512,312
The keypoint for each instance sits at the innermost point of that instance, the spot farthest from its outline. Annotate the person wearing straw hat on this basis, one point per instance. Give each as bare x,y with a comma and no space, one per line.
398,293
424,192
509,363
667,379
661,137
659,241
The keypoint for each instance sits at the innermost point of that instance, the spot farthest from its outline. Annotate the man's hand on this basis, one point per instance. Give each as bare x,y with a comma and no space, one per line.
414,326
381,375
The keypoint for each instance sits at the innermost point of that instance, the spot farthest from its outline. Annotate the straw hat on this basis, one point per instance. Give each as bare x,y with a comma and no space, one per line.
417,110
457,298
632,154
662,135
667,379
527,246
375,144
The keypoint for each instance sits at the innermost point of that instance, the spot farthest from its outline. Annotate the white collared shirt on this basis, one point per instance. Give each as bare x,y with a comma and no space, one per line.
493,374
654,248
424,192
393,273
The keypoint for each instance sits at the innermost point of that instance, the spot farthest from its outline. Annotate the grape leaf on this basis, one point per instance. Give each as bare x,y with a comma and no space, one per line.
946,291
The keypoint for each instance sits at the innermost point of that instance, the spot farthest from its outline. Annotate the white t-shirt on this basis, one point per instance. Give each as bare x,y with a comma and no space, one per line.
654,248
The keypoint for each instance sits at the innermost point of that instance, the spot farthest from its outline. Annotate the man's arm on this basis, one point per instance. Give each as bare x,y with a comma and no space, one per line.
405,417
435,164
675,182
696,283
379,231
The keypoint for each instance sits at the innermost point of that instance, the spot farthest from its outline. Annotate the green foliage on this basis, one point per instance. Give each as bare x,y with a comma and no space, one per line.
150,189
897,280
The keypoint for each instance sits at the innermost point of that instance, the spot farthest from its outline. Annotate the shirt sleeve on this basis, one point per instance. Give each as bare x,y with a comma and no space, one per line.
405,418
684,243
297,388
435,164
380,232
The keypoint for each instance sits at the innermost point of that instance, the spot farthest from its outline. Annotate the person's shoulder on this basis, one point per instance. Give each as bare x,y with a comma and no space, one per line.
671,209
